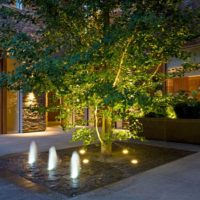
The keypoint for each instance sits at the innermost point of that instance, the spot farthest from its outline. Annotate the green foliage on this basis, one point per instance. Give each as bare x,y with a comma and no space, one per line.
170,112
185,97
157,105
103,54
65,116
181,105
85,135
119,134
187,106
187,111
134,128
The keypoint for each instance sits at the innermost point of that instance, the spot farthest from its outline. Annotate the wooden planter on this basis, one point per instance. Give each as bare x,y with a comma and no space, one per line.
176,130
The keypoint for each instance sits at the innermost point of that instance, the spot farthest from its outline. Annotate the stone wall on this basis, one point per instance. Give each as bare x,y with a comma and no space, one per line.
32,120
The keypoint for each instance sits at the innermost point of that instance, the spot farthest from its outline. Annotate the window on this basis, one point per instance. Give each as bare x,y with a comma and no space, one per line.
19,4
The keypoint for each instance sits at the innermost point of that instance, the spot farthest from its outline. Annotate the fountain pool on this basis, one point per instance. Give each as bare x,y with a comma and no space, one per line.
96,171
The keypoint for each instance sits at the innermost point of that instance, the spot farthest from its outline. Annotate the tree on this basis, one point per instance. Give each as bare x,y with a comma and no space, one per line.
102,54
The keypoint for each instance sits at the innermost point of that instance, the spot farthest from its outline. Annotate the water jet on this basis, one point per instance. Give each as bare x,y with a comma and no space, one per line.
33,153
75,165
53,159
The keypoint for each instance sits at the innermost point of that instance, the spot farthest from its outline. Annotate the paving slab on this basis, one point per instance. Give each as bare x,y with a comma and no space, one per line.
16,143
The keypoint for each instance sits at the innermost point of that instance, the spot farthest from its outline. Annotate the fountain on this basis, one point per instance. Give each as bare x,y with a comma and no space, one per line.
53,159
33,153
87,172
75,165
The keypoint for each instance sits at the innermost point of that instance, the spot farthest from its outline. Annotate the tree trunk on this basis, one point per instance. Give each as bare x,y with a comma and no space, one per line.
106,146
106,134
106,149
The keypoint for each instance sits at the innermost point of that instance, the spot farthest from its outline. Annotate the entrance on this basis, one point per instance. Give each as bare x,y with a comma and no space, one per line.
52,115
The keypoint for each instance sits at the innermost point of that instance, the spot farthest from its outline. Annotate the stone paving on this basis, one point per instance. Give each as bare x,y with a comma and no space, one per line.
177,180
15,143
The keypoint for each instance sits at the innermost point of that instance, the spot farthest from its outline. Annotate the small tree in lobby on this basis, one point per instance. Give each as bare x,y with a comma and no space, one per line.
101,54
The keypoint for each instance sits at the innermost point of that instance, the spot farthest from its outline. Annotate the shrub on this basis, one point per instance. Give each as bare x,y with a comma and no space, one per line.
187,111
155,115
86,135
186,105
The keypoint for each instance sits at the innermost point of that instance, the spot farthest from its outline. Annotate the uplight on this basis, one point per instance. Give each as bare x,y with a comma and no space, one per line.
31,96
134,161
85,161
82,151
125,151
30,99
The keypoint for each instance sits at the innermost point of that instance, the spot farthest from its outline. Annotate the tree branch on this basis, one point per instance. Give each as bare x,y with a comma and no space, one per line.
96,124
122,60
156,71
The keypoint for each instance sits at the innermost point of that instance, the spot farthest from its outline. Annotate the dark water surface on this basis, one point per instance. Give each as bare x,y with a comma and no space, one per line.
97,173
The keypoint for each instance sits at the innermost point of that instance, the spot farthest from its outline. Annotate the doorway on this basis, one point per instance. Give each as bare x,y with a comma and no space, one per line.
52,117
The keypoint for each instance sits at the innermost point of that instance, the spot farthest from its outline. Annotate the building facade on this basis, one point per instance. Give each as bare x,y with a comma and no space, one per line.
190,81
15,113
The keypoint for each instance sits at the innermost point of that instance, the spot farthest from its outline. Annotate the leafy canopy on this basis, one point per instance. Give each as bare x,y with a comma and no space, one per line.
98,53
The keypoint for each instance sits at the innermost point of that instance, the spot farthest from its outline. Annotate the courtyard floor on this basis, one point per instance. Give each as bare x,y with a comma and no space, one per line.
177,180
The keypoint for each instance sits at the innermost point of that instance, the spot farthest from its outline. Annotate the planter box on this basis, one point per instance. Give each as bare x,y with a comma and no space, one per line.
176,130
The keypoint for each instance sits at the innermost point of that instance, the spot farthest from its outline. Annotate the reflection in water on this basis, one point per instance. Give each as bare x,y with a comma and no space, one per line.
52,175
33,170
74,183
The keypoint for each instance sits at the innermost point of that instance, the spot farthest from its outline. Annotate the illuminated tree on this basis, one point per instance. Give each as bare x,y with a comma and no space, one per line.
101,54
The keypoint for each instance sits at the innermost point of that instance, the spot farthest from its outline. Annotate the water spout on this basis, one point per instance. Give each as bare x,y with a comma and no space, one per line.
33,153
53,159
75,165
